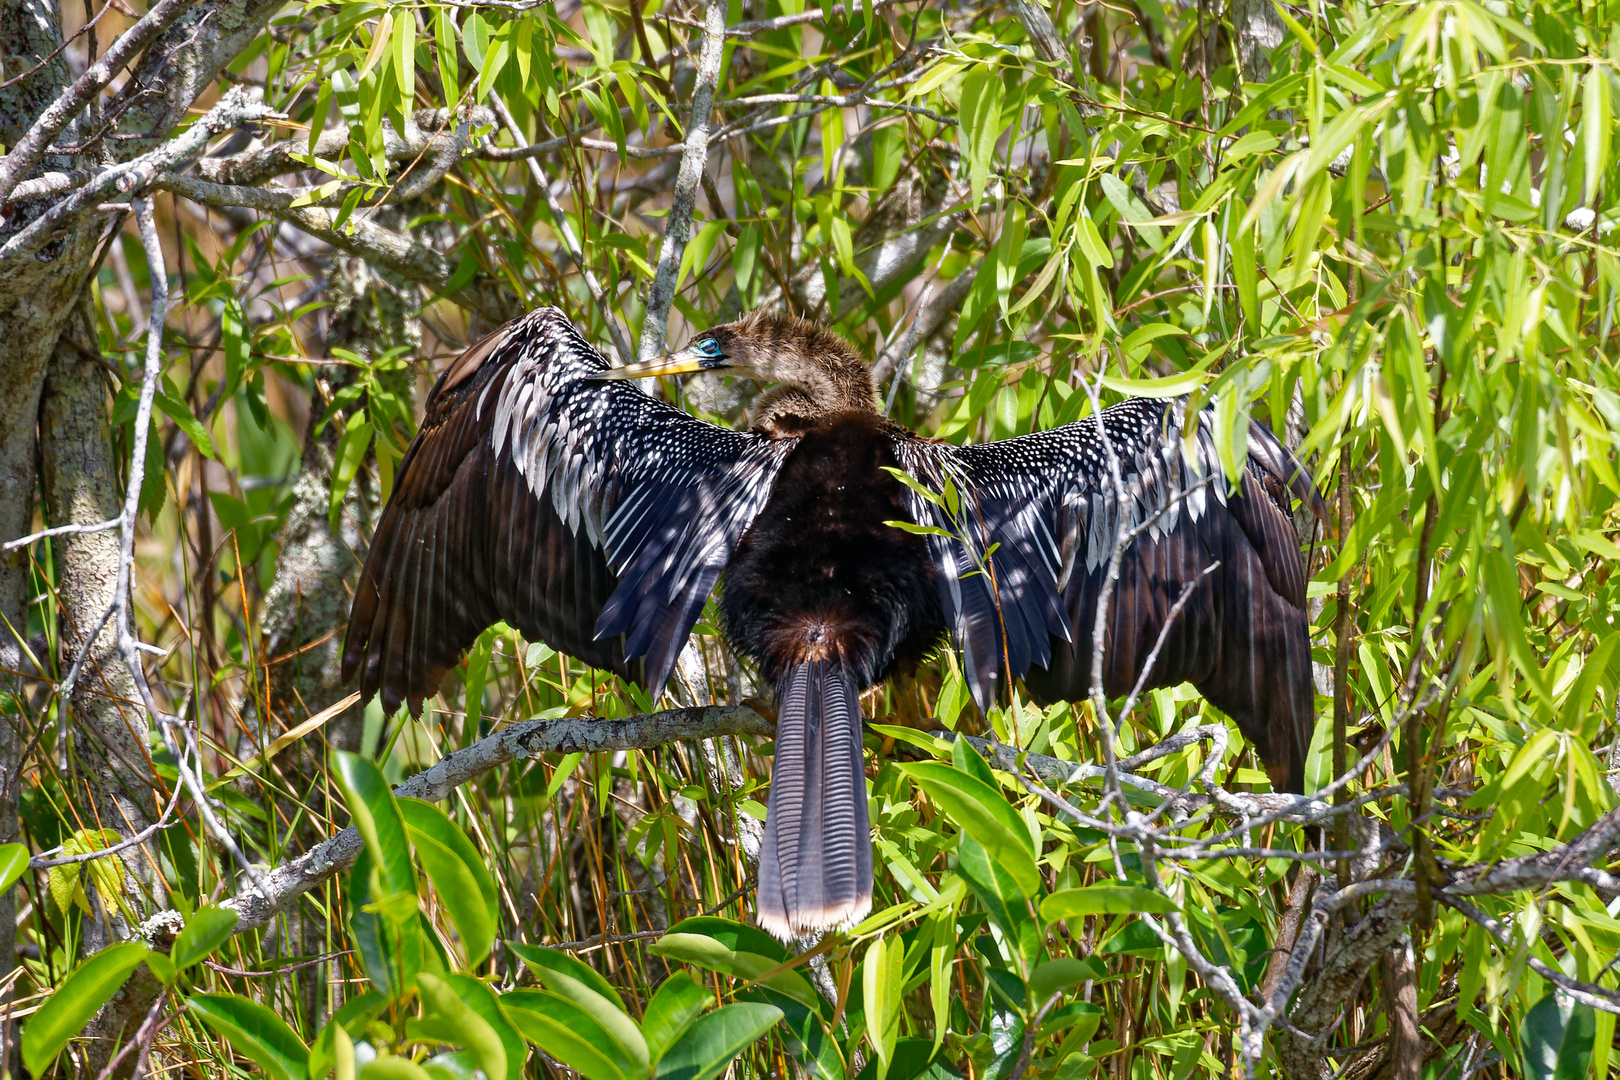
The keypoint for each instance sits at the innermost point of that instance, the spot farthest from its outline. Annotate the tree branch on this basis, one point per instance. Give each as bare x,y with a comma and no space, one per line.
34,143
694,158
285,884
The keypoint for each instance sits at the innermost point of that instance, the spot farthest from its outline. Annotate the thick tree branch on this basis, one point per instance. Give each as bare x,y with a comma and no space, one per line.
136,175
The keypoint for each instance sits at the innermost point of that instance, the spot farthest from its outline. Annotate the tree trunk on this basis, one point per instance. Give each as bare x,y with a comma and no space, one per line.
79,476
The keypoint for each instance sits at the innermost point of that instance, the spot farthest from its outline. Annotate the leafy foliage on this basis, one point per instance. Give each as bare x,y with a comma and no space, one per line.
1391,238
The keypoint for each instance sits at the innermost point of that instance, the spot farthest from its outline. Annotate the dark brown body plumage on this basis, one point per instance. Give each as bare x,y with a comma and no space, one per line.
820,576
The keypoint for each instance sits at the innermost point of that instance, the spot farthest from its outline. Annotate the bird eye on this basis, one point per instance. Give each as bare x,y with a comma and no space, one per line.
709,347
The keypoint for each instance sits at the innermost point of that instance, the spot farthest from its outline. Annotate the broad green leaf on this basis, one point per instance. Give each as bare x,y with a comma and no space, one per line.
881,977
208,928
448,1019
458,874
389,1067
13,864
256,1031
984,814
1055,975
1555,1039
568,1033
712,1041
1104,898
481,999
70,1007
377,818
678,1001
606,1012
706,952
542,960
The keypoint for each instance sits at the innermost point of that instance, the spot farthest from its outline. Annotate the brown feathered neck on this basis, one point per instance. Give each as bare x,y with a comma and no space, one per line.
814,372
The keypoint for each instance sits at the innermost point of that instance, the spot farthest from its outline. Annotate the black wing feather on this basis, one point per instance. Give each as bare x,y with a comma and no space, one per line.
1046,502
585,513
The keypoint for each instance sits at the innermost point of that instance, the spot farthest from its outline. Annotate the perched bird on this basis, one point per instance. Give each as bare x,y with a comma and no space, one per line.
546,490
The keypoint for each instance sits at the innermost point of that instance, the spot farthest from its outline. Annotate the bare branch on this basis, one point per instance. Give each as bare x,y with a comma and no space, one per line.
137,174
34,144
694,157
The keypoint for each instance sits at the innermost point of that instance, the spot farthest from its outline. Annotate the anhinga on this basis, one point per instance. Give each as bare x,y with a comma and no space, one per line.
545,490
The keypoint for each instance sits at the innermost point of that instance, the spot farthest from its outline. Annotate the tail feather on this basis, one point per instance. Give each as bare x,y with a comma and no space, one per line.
815,865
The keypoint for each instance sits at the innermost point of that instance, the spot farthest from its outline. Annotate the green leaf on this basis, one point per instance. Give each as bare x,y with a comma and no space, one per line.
1556,1038
984,814
65,1012
711,1043
175,408
162,967
389,1067
13,864
568,1033
676,1003
206,930
982,94
882,985
448,1019
351,451
608,1014
1055,975
256,1031
706,952
1596,127
1104,898
481,999
377,818
541,961
458,873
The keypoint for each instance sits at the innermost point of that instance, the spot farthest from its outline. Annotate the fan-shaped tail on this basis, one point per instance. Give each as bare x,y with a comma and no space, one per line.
815,866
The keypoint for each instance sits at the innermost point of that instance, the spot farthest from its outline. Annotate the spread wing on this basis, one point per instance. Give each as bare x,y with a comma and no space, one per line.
585,513
1044,507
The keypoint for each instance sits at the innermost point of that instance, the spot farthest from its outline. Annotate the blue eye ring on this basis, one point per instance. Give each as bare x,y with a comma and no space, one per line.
709,347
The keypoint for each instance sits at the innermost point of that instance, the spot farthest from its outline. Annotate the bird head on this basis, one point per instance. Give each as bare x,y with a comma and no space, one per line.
771,347
706,352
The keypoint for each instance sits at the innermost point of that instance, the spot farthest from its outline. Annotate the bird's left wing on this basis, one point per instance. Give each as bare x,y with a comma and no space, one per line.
1033,530
585,513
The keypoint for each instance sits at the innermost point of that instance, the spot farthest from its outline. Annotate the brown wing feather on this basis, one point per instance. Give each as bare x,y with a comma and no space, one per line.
463,543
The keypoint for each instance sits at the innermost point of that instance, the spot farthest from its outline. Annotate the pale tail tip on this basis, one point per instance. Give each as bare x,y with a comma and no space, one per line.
805,922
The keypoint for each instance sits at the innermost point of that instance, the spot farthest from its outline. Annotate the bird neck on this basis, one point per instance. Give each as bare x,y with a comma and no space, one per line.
835,381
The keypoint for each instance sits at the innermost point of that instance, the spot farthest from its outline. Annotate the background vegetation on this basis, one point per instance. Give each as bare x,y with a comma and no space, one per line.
1385,229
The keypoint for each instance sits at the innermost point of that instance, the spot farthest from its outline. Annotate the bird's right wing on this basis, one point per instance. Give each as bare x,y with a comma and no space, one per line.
585,513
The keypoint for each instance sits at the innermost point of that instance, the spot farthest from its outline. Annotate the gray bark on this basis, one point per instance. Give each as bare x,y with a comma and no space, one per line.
1259,29
80,480
32,310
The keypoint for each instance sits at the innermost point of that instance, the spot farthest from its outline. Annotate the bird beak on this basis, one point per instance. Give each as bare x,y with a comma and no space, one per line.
680,363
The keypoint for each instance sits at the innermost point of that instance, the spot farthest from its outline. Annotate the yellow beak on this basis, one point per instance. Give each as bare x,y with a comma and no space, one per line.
673,364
